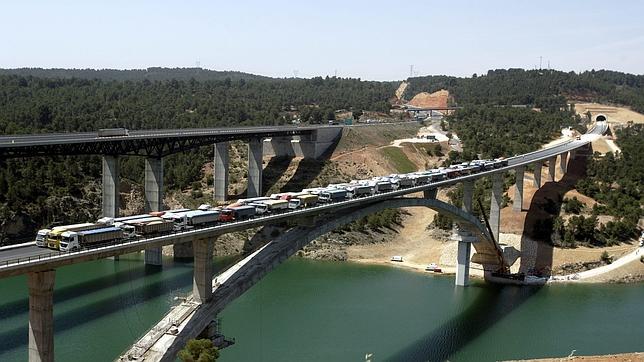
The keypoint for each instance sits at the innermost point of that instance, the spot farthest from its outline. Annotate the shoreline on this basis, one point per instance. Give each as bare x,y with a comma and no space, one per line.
476,272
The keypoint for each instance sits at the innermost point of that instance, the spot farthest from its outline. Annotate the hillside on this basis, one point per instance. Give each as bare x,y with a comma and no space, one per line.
151,74
539,88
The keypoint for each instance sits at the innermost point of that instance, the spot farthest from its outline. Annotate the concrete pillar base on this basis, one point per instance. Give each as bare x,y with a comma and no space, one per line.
182,251
41,315
517,204
495,204
153,256
463,264
203,270
111,186
221,163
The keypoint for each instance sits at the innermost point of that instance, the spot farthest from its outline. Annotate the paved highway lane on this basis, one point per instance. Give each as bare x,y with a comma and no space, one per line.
67,138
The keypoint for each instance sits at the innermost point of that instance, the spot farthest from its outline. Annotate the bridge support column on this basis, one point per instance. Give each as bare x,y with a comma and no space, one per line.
495,204
255,148
463,263
430,194
468,191
111,185
464,247
517,204
221,162
563,162
153,201
41,315
203,270
552,162
537,173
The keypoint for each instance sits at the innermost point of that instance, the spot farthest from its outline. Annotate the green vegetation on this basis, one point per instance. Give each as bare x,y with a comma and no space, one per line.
199,350
573,206
491,132
37,193
388,218
545,89
399,159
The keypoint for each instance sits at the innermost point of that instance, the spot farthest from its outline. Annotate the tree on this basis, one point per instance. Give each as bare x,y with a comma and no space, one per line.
199,350
357,114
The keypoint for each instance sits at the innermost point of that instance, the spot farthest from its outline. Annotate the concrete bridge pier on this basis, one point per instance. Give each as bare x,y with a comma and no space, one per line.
495,204
111,185
279,147
463,260
203,270
153,201
430,194
255,148
464,244
41,315
517,204
563,163
220,168
552,162
537,173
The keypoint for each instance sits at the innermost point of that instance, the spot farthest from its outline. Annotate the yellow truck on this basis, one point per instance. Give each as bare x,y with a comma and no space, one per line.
56,234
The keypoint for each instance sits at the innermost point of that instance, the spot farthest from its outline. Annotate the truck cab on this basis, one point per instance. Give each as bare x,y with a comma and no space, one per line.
41,238
69,241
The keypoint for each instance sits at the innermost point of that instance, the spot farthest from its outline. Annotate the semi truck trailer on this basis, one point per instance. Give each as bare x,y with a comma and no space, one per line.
150,226
77,240
303,201
55,235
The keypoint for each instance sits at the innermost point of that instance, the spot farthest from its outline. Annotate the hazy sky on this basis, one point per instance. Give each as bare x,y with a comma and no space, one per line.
367,39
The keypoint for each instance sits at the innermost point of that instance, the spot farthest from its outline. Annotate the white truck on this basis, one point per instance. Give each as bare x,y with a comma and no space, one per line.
303,201
190,219
269,206
77,240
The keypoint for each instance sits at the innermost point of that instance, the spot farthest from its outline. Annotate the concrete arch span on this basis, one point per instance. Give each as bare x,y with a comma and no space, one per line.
488,253
243,276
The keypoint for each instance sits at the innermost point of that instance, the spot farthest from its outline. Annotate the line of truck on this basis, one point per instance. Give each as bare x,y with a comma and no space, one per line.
111,230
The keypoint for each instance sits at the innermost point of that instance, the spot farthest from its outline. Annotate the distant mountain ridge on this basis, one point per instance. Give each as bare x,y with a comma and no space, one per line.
152,74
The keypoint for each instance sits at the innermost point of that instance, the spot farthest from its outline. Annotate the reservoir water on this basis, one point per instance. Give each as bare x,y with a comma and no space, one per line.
324,311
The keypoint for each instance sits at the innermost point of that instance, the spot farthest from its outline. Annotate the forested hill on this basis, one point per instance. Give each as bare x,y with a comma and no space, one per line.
152,74
30,104
537,87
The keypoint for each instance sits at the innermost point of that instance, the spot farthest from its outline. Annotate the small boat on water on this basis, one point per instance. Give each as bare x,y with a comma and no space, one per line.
433,267
397,258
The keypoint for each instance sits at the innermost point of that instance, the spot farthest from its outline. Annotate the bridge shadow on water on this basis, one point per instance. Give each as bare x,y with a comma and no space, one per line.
492,304
8,310
75,317
496,301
